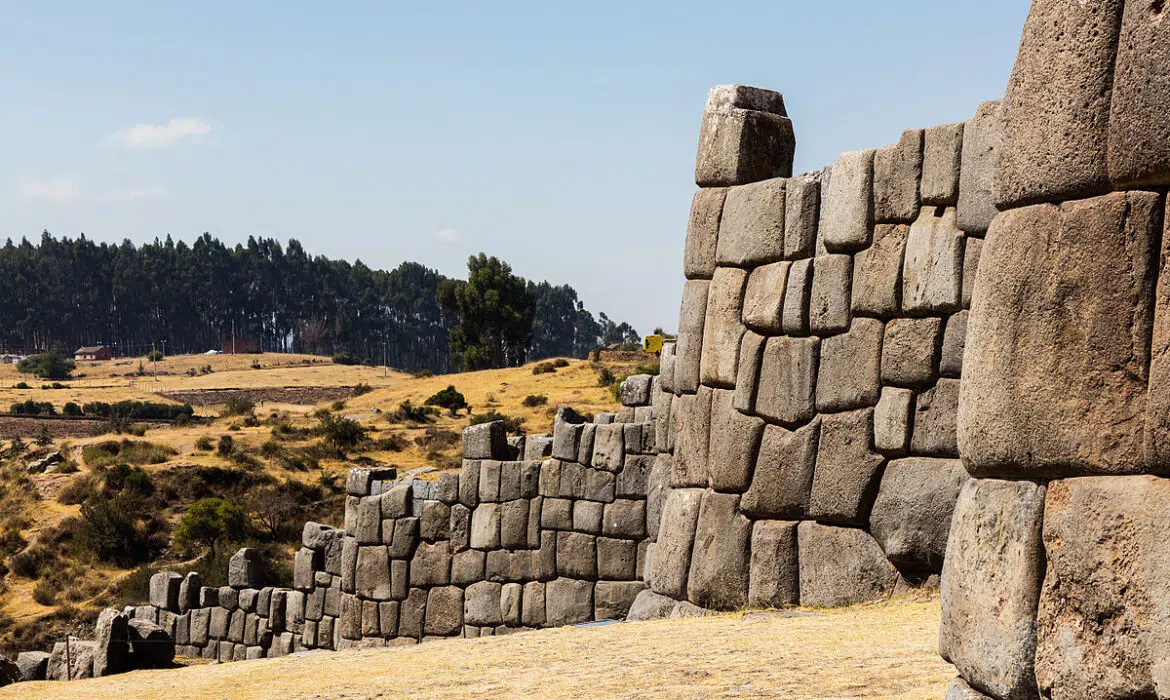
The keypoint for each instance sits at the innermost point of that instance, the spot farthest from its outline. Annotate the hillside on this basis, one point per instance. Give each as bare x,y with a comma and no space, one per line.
886,650
272,458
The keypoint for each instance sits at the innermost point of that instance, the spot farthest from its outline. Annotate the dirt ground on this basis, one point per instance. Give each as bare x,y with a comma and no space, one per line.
886,650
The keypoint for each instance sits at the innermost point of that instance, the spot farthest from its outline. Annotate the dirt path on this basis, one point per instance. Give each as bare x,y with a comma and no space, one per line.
874,651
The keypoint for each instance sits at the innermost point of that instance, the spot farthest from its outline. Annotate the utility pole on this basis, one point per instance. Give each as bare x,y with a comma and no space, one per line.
233,336
154,360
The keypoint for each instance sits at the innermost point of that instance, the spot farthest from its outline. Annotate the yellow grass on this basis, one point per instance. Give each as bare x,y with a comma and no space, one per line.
884,650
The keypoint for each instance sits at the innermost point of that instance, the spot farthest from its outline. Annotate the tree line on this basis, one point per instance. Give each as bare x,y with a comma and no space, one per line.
70,292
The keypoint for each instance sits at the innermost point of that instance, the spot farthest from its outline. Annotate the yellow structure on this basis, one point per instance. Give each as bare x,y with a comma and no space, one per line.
652,343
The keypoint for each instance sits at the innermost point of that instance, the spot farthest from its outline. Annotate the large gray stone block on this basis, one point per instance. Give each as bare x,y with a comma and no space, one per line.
848,209
1056,110
841,566
911,517
764,298
703,233
444,612
151,646
782,480
848,469
485,441
718,577
751,231
689,346
972,248
244,569
991,586
111,643
877,272
897,171
941,158
723,327
649,605
751,354
910,351
692,439
577,555
794,317
735,440
372,575
954,342
1055,373
802,204
164,590
982,147
743,140
1138,123
850,369
775,575
959,690
932,274
830,294
935,415
431,564
568,602
676,535
891,420
788,379
612,600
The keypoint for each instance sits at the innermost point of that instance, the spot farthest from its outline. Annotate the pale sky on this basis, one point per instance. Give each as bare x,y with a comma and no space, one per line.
558,136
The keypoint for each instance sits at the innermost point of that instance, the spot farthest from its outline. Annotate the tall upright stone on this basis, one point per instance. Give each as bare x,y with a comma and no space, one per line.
746,136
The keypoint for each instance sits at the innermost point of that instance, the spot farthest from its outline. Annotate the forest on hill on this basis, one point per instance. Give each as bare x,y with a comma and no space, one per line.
70,292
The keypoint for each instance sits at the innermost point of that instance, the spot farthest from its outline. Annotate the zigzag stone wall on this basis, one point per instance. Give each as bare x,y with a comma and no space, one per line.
809,404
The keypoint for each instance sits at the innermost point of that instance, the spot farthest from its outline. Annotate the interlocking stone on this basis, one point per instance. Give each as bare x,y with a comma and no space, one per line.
911,517
841,566
672,555
959,690
577,555
111,643
910,351
848,212
444,613
932,274
891,420
693,439
954,342
751,354
431,564
723,328
849,375
848,470
649,605
164,590
485,441
1138,124
568,602
775,577
689,346
802,204
743,140
751,231
532,604
982,147
788,380
735,439
469,483
877,272
764,297
666,366
795,314
617,559
972,248
703,233
941,158
829,296
625,518
897,171
244,568
485,526
372,577
719,563
991,586
782,480
1055,374
1056,110
612,600
935,416
609,446
587,517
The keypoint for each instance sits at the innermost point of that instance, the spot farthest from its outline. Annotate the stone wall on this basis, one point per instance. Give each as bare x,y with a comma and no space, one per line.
1055,583
532,532
807,411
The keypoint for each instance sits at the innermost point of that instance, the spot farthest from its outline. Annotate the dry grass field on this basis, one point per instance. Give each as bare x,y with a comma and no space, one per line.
886,650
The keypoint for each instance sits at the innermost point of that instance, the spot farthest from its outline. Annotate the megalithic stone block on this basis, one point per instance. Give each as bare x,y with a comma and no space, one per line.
788,379
829,298
848,469
1058,340
1056,110
802,204
911,517
841,566
982,148
783,477
723,327
703,233
897,172
794,317
1139,118
994,563
932,274
751,231
849,375
735,440
910,351
775,579
720,562
877,272
941,159
672,554
848,207
688,348
746,136
764,298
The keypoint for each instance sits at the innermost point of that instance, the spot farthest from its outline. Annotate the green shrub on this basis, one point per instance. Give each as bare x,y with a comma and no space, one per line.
46,592
345,358
138,410
449,399
110,452
422,374
208,522
71,409
393,443
512,424
544,368
238,406
154,356
560,362
121,529
204,443
605,377
362,389
47,365
341,434
534,400
338,406
22,385
226,446
415,414
33,408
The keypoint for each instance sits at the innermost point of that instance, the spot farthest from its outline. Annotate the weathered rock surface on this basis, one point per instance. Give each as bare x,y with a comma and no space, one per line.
849,376
743,140
911,517
775,577
719,563
672,555
897,170
782,480
788,379
723,327
703,233
751,231
848,208
941,159
848,470
841,566
982,147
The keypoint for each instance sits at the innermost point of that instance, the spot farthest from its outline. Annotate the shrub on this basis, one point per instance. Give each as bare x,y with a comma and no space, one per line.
47,365
46,592
22,385
345,358
436,439
449,399
605,377
362,389
393,443
138,410
204,443
154,356
534,400
121,529
648,368
512,424
560,362
208,522
110,452
238,406
271,448
71,409
341,433
338,406
422,374
123,477
544,368
33,408
77,491
415,414
226,446
43,438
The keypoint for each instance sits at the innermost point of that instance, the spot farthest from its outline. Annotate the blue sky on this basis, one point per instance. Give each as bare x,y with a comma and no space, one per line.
558,136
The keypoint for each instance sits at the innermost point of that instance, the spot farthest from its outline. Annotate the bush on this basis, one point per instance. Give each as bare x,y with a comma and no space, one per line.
110,452
154,356
338,406
46,592
121,529
362,389
43,438
415,414
341,433
423,374
449,399
605,377
226,446
22,385
544,368
394,443
345,358
560,362
33,408
238,406
208,522
204,443
534,400
134,480
47,365
71,409
648,368
138,410
512,424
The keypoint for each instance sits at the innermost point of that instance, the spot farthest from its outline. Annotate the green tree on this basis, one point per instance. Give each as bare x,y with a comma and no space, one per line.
494,311
450,399
208,522
47,365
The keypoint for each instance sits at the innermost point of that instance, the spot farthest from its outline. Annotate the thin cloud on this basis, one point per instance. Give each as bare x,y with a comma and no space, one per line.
134,193
155,136
447,235
60,190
